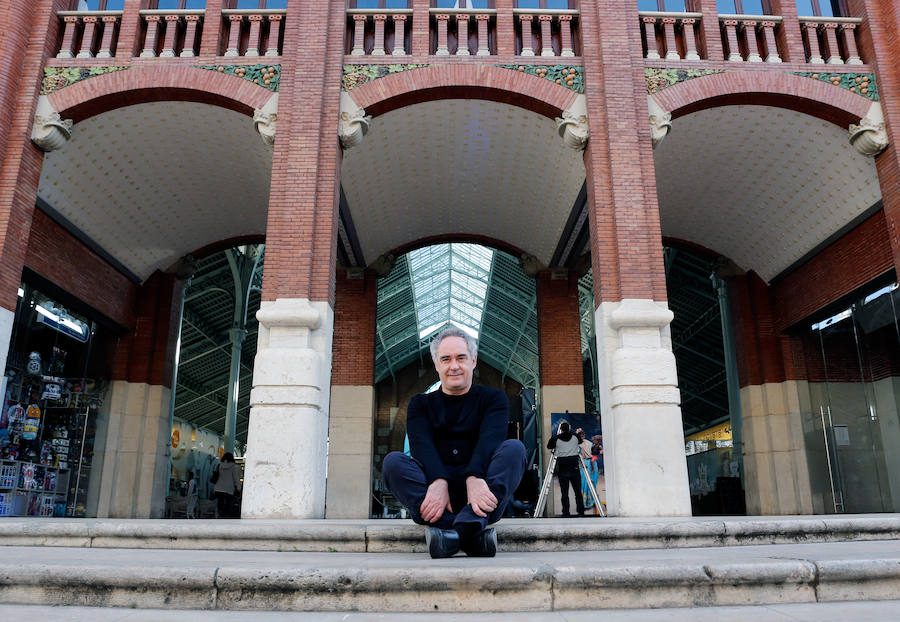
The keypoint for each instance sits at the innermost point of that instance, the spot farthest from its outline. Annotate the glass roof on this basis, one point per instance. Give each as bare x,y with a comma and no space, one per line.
450,283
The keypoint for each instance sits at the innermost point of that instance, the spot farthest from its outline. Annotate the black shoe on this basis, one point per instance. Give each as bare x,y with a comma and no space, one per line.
441,542
482,545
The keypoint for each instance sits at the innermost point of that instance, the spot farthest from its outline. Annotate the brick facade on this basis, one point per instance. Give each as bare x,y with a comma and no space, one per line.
559,330
353,348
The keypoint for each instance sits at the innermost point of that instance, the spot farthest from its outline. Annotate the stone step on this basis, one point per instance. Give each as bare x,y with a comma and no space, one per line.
402,536
568,579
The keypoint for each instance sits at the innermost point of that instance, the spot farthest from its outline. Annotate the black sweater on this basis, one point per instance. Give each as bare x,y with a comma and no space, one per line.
456,430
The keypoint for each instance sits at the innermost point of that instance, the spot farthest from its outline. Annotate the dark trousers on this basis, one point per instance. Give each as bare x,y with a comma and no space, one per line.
570,478
405,477
225,505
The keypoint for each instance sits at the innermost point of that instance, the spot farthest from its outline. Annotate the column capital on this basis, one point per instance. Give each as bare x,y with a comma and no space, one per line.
646,20
869,136
71,19
730,22
109,19
90,19
235,18
669,20
545,18
829,26
381,17
767,24
173,18
353,124
749,23
526,18
276,17
848,26
357,17
442,17
483,18
400,18
689,21
50,131
153,18
255,18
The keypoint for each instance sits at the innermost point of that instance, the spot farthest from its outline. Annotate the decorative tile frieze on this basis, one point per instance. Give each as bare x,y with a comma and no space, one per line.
859,83
658,79
56,78
357,75
570,77
267,76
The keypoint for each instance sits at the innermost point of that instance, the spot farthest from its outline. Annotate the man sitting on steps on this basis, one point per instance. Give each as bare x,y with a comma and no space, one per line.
463,471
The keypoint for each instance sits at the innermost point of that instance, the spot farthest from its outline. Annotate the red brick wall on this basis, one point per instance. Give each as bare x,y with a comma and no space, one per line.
353,350
148,353
626,244
28,36
301,233
760,348
57,256
853,260
559,330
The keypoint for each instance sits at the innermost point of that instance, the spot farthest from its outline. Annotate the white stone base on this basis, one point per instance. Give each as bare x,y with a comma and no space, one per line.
776,474
646,469
350,434
284,473
130,474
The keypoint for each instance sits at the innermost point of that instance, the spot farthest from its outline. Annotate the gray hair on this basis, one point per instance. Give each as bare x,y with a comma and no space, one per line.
453,331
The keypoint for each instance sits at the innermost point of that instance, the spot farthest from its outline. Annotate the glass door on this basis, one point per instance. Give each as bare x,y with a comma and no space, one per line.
853,428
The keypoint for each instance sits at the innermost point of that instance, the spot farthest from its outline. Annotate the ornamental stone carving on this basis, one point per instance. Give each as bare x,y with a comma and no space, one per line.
869,137
49,132
353,124
573,126
660,121
264,120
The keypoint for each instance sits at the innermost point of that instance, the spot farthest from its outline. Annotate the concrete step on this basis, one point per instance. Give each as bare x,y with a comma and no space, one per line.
570,578
402,536
879,611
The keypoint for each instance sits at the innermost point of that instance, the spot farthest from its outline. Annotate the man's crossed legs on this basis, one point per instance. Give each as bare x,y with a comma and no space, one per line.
405,477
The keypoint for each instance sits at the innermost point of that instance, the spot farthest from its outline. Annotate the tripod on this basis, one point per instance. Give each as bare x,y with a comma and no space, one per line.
548,480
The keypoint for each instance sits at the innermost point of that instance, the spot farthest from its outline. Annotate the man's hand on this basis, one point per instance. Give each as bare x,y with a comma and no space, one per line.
437,499
480,496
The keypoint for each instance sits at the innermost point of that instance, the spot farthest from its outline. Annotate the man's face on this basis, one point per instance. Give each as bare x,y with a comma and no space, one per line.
454,365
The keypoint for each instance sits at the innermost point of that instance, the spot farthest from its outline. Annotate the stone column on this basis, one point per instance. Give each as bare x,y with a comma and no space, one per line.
834,52
275,24
169,40
768,28
462,34
565,33
399,36
546,36
752,45
149,50
442,22
359,35
483,36
559,346
131,455
527,39
350,425
70,23
253,38
234,34
87,39
690,38
650,34
285,468
109,28
638,384
847,32
378,48
812,37
671,46
734,50
190,35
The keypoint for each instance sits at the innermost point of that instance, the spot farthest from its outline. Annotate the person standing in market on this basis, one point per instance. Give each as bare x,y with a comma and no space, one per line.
193,496
568,457
228,484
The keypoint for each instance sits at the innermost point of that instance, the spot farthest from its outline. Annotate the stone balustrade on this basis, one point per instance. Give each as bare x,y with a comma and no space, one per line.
830,40
673,36
171,33
545,32
89,34
463,32
379,32
750,38
256,32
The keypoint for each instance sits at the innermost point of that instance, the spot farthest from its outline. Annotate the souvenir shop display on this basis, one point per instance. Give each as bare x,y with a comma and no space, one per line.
48,416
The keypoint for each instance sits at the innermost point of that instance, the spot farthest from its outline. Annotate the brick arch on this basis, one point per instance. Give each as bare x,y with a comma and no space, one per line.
497,84
448,238
139,85
783,90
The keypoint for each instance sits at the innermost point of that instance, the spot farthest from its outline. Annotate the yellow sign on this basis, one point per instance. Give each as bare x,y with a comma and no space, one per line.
721,432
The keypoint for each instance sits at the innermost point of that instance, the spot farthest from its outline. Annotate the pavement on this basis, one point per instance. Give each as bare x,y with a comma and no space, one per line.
879,611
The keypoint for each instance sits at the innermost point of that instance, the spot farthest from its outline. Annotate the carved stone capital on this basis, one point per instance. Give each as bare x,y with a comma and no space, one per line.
353,124
660,121
573,126
50,131
869,137
264,120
